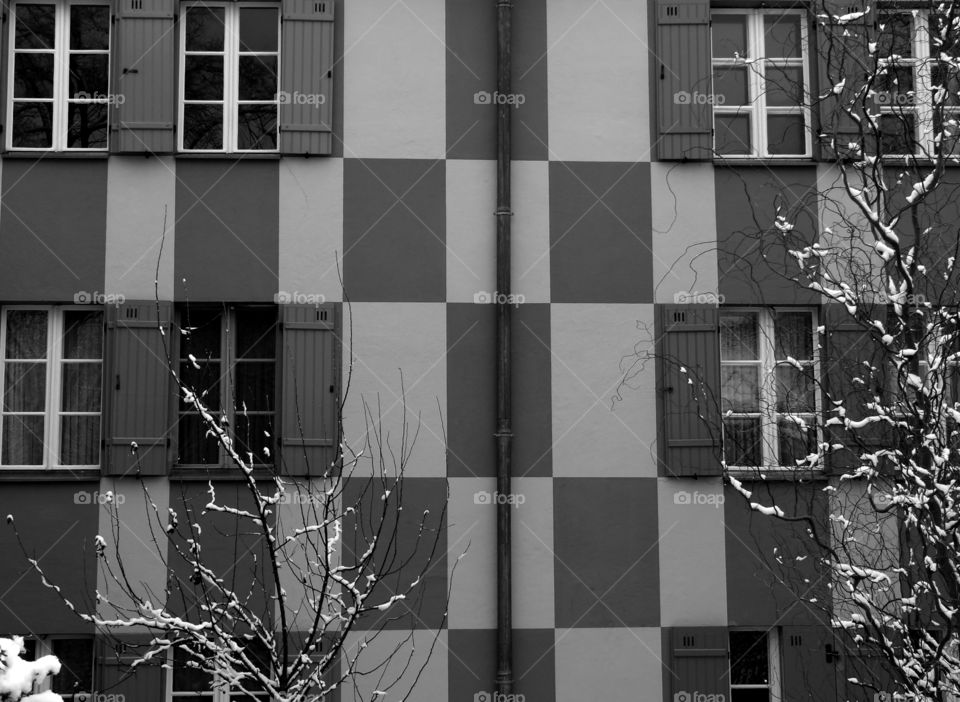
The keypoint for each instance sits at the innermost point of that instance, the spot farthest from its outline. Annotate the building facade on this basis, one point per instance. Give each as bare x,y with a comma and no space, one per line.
156,170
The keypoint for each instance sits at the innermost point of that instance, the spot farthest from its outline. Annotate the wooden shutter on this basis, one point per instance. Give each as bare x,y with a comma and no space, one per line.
699,663
688,392
684,123
137,388
116,680
143,119
306,77
810,658
842,55
867,664
310,391
853,371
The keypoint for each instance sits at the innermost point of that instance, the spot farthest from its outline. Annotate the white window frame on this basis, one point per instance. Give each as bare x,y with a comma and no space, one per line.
774,684
221,691
231,74
766,351
44,647
52,411
61,75
756,107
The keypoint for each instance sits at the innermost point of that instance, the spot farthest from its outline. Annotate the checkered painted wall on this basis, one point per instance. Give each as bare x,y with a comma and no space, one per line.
400,222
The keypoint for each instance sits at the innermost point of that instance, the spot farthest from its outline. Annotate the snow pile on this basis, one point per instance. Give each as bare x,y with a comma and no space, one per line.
19,677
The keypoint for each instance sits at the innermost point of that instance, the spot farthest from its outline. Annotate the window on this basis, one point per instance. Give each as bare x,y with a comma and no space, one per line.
186,683
74,682
768,369
760,79
59,77
754,666
916,94
229,358
52,371
229,77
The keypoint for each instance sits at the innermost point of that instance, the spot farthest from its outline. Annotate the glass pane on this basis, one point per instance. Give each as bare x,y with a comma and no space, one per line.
258,77
782,36
795,443
88,76
83,337
256,333
895,86
946,77
186,679
35,27
732,134
257,127
90,27
87,126
33,76
793,334
897,133
204,380
255,386
203,78
748,658
32,125
254,434
739,336
81,387
204,31
740,389
784,86
194,444
730,86
76,661
22,441
201,334
729,34
795,390
79,441
947,131
258,29
741,441
202,127
750,695
24,387
895,35
26,334
786,135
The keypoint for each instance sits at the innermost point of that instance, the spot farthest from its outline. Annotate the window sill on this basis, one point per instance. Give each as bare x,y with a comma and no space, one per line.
57,475
765,162
778,475
223,473
42,154
268,156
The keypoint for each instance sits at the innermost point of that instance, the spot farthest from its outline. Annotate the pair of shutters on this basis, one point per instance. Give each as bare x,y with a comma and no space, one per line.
115,679
140,400
146,61
700,663
684,73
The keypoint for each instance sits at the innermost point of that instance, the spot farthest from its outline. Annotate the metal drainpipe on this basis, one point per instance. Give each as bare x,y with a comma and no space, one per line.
504,435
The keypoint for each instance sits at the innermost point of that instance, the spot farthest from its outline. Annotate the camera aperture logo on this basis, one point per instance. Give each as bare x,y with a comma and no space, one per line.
83,297
482,97
484,696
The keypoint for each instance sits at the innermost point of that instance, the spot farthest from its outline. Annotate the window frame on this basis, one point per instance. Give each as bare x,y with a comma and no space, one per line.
774,664
756,107
43,646
61,99
766,362
54,386
231,73
227,381
221,690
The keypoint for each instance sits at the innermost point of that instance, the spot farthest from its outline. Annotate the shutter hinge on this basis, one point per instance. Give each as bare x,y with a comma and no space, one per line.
661,71
832,655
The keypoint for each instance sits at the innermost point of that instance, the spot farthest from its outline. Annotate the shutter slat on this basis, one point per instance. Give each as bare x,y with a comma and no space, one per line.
306,74
137,381
310,392
683,45
144,120
689,437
